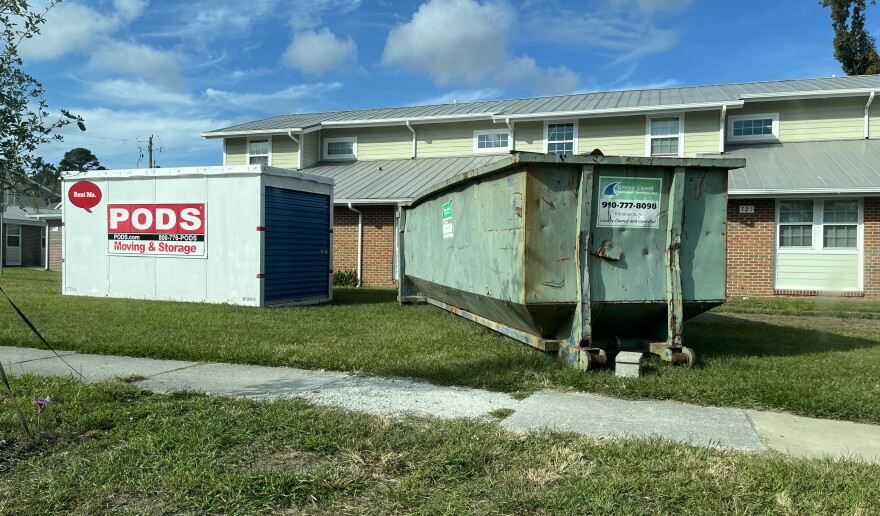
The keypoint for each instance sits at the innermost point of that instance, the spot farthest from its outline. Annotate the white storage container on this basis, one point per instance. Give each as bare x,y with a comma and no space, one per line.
246,235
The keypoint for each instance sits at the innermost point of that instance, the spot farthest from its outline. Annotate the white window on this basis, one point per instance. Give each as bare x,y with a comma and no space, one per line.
665,136
340,148
259,152
561,138
491,141
13,235
820,224
753,128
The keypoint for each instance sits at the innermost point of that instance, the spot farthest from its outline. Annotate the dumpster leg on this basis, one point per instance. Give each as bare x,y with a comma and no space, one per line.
674,220
586,359
680,355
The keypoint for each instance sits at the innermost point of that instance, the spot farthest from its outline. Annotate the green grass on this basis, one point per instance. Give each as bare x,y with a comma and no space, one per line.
826,368
111,448
833,307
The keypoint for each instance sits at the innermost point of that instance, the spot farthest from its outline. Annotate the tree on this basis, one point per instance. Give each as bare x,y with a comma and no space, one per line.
80,159
25,122
854,47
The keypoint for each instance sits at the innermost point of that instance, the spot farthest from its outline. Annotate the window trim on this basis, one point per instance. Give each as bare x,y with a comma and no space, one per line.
16,234
818,224
495,150
345,157
574,135
753,138
649,137
247,149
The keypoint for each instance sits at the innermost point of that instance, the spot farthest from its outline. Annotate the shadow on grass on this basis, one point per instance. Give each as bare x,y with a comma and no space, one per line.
716,335
362,296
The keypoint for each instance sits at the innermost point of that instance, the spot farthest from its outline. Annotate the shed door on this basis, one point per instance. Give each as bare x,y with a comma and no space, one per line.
297,246
13,244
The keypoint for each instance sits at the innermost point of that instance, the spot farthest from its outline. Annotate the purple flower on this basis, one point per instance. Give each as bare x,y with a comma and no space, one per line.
41,402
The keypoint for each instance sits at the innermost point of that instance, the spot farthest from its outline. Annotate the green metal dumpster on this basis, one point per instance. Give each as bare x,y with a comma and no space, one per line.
585,256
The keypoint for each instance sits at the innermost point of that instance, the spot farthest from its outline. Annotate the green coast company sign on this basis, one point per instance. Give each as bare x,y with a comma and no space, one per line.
629,202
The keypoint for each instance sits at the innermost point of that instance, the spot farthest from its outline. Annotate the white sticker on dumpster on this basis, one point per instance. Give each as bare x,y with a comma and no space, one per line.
447,220
629,202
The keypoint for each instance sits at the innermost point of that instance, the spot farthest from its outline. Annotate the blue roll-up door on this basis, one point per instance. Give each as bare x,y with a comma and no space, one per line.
297,246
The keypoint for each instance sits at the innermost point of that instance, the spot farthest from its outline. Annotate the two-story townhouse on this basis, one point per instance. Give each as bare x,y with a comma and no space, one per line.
31,231
804,213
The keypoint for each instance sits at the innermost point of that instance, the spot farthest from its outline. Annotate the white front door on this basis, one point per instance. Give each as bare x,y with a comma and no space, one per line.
13,244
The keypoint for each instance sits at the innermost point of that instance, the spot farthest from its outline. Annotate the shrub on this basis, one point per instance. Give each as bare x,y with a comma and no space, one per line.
345,278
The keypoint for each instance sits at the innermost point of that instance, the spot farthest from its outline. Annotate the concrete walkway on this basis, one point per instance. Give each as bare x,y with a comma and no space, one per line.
587,414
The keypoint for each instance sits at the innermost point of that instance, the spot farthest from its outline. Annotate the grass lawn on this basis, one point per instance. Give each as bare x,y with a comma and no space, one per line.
819,365
111,448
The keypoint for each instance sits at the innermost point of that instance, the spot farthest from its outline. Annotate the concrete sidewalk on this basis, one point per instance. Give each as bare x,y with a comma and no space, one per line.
582,413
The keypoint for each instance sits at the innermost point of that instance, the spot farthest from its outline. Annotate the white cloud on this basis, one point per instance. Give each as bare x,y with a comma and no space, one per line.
289,100
142,60
117,137
463,41
319,52
649,7
307,13
71,27
621,38
462,96
137,93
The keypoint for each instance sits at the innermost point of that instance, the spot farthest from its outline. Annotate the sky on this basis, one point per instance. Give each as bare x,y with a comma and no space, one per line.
177,68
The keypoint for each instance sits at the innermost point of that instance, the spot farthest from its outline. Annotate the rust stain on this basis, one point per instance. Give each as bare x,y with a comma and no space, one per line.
608,252
698,186
518,212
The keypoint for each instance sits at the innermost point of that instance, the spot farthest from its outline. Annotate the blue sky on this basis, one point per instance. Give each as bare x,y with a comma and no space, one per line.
176,68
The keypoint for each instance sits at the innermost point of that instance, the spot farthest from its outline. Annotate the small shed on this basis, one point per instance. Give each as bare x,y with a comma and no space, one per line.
247,235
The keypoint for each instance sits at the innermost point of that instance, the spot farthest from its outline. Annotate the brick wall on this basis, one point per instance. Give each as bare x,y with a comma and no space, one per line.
378,246
54,243
750,248
872,248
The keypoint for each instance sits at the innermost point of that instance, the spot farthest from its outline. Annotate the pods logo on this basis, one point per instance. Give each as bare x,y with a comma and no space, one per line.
85,195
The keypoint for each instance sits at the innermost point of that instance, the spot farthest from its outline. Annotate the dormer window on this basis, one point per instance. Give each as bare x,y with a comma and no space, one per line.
340,148
753,128
491,141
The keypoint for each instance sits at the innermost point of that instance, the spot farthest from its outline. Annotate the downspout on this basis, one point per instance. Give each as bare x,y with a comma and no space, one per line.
46,258
867,117
722,134
360,258
299,148
414,149
512,136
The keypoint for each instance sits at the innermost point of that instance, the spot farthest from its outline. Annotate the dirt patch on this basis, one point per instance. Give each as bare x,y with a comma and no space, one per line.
817,322
288,460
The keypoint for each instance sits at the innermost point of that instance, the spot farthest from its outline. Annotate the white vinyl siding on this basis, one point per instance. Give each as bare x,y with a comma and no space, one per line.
812,119
818,271
285,152
235,151
614,136
819,244
393,142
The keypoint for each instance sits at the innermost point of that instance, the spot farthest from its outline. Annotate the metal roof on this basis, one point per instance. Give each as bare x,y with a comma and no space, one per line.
581,104
394,180
831,167
27,215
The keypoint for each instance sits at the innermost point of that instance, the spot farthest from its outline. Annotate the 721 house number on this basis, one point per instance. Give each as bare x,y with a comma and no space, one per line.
747,209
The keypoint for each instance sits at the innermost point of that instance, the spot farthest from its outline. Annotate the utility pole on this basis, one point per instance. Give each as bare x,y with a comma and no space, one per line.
150,151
